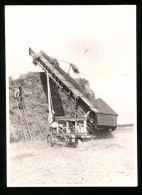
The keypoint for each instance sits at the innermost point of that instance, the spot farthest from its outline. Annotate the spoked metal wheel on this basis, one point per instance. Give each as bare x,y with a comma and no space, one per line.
95,123
79,142
50,140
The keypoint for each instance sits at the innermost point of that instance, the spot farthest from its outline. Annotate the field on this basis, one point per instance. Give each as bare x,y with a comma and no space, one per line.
96,162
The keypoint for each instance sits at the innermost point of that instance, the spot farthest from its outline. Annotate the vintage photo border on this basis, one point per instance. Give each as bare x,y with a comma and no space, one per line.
3,107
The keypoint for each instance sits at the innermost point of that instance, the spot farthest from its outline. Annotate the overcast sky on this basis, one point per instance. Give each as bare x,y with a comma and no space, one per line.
106,33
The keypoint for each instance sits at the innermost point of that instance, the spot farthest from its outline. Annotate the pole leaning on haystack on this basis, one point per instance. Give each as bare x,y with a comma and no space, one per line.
49,103
50,118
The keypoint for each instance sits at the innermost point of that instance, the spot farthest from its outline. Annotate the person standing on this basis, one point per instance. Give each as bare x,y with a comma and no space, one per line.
16,94
20,97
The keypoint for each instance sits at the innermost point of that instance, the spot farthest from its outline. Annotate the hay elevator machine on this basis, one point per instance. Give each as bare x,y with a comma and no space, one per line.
96,115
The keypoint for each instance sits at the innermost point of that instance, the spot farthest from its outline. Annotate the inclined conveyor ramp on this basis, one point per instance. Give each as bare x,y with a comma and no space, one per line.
105,117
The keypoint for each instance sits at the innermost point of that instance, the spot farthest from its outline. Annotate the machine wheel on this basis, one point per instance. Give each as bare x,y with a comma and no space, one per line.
66,141
79,142
50,141
95,123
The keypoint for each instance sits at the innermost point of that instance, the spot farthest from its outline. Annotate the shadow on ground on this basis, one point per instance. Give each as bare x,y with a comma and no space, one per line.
103,134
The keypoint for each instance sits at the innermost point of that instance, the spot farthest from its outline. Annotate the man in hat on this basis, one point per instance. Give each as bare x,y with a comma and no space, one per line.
18,96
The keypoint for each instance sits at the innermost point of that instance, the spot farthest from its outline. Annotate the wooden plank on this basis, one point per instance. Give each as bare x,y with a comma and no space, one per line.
104,107
106,120
71,134
67,125
58,118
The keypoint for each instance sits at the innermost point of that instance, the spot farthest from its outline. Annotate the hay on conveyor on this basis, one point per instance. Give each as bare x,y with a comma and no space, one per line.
36,57
78,83
75,69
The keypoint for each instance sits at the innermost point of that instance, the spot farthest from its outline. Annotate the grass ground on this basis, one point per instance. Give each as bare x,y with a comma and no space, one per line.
96,162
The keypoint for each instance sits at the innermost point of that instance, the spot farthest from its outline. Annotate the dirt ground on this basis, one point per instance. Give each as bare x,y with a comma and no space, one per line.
98,162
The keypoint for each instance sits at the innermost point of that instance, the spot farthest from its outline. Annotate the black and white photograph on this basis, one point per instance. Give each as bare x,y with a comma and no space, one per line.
71,95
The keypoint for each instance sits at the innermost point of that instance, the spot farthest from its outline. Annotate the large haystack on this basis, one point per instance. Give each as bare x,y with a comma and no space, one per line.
36,105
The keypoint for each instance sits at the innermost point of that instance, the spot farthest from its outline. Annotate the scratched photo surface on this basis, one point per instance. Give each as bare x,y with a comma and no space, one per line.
71,95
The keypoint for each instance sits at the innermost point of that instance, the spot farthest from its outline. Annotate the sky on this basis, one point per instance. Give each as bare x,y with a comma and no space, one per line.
99,40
